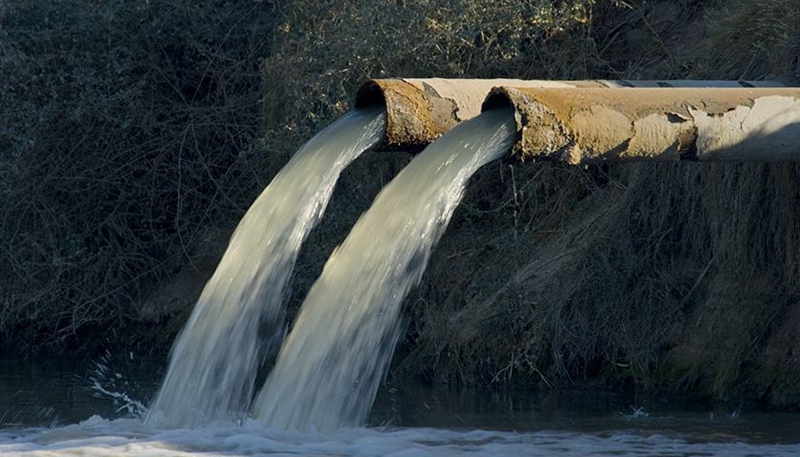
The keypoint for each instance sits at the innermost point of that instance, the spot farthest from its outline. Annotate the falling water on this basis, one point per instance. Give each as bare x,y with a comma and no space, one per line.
239,318
327,373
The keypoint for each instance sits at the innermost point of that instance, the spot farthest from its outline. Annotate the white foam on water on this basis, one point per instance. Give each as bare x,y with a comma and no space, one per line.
111,384
239,318
97,437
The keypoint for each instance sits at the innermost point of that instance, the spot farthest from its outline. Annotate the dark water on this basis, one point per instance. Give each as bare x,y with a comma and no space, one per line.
596,412
56,392
54,407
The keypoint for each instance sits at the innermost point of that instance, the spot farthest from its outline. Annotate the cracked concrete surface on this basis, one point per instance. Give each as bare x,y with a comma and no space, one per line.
421,110
591,121
594,125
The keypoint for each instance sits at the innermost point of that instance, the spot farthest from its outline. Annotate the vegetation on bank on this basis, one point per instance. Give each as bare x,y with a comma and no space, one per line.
128,137
135,134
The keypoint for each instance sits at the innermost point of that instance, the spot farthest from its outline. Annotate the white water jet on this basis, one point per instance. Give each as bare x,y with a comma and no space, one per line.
239,317
329,368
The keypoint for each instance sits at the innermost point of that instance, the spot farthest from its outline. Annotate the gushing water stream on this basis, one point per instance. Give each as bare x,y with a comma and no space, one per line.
327,373
329,369
239,318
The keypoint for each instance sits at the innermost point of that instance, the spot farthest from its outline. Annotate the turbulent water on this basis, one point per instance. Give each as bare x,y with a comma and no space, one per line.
329,369
97,437
52,409
239,317
328,372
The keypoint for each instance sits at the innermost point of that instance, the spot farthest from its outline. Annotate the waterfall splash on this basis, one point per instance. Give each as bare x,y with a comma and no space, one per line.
328,370
239,318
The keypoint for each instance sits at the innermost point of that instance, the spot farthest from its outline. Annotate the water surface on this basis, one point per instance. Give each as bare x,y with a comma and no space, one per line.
56,409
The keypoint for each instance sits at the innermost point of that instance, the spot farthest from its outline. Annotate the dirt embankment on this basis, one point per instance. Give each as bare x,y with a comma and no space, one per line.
677,276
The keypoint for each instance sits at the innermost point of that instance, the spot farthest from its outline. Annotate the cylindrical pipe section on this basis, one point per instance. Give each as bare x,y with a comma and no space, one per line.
593,125
419,111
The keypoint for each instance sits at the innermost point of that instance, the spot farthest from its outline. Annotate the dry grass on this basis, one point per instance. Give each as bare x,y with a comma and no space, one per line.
680,276
751,39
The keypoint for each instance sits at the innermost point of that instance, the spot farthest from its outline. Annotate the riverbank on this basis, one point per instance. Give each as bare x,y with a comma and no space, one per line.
674,276
681,277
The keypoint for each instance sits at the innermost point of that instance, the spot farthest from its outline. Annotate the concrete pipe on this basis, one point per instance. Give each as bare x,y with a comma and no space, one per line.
421,110
418,111
593,125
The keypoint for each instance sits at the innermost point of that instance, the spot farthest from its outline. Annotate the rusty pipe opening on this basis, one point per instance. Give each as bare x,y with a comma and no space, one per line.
410,113
418,111
600,124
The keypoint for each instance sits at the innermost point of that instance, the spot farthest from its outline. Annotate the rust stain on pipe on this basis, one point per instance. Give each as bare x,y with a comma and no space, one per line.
592,125
409,113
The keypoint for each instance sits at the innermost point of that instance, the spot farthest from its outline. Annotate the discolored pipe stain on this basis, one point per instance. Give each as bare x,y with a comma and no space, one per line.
418,111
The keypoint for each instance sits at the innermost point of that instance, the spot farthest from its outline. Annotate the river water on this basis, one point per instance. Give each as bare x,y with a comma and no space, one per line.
94,409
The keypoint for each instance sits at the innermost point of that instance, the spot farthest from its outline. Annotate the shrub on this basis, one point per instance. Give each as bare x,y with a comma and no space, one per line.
683,276
128,131
324,49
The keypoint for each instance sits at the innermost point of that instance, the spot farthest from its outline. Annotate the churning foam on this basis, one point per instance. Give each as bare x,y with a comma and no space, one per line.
97,437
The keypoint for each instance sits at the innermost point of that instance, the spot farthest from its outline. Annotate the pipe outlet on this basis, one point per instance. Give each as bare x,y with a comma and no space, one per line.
418,111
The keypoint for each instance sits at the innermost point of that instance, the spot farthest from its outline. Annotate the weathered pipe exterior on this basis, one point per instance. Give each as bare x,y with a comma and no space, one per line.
593,125
418,111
